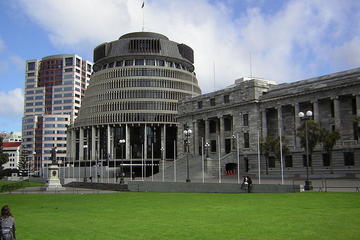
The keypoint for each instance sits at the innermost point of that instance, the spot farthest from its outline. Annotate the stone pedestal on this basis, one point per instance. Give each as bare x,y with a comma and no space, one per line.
53,183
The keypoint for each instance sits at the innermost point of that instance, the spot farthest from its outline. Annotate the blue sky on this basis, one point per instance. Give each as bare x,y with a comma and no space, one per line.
287,40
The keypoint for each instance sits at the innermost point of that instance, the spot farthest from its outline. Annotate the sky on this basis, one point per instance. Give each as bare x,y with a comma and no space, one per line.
278,40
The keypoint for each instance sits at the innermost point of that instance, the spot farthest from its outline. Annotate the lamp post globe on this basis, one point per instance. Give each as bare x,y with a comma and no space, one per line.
306,117
122,144
187,133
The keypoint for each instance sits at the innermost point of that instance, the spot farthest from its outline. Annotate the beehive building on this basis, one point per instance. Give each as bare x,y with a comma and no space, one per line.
133,96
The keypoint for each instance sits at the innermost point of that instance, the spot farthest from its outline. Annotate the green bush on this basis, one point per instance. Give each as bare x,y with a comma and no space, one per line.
9,186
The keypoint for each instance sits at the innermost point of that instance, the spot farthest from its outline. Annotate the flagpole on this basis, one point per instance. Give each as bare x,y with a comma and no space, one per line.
174,160
143,22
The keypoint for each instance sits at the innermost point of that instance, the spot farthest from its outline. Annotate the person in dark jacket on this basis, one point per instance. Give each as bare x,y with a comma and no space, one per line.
7,224
247,183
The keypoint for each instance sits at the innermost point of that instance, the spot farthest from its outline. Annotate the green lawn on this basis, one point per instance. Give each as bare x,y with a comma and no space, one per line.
6,186
186,216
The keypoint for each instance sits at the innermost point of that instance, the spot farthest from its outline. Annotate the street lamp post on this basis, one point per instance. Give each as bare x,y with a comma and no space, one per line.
122,143
85,156
162,160
207,146
187,135
306,117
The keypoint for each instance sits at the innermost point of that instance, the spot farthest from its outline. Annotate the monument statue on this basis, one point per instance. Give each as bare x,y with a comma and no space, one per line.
53,156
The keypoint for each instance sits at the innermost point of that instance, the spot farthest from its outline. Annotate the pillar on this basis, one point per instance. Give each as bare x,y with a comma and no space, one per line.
108,142
93,142
207,128
316,111
73,145
145,141
337,113
280,121
127,141
196,137
81,144
297,124
264,123
222,138
358,106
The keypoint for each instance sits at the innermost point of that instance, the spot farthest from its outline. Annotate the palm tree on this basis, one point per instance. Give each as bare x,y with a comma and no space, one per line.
328,140
271,145
267,146
313,136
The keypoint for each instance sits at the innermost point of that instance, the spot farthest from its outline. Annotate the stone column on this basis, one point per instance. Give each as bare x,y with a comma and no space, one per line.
196,137
297,124
93,141
280,121
358,106
73,145
127,141
337,113
222,137
108,141
207,129
145,141
81,144
99,155
264,123
316,111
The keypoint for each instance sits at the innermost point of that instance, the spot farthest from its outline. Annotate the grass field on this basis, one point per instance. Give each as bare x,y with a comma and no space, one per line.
186,216
6,186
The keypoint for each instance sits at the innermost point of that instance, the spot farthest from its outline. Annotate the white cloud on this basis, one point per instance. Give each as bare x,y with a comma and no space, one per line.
11,103
18,62
289,44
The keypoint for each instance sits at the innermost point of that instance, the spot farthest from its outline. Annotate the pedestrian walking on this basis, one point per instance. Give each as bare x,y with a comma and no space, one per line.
7,224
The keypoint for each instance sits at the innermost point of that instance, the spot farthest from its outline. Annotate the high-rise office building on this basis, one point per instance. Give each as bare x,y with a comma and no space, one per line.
54,88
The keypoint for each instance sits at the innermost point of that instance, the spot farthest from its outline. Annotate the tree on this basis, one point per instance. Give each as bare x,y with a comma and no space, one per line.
328,140
271,146
313,136
4,157
23,164
267,146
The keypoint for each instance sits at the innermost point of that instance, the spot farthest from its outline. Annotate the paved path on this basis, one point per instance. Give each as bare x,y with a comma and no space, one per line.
40,190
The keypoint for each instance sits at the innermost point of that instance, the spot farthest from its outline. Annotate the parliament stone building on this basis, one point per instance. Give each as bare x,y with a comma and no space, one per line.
253,108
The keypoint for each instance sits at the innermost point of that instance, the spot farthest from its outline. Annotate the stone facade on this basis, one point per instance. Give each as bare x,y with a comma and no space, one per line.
255,108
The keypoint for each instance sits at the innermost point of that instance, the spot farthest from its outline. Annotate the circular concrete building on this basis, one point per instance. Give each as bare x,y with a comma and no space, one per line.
133,96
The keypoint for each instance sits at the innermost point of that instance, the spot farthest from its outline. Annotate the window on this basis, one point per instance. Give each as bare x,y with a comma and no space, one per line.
88,67
212,102
349,159
355,130
31,66
271,162
119,63
226,98
77,62
227,124
246,119
139,62
304,160
69,61
326,160
246,140
128,62
200,105
31,74
213,145
288,161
